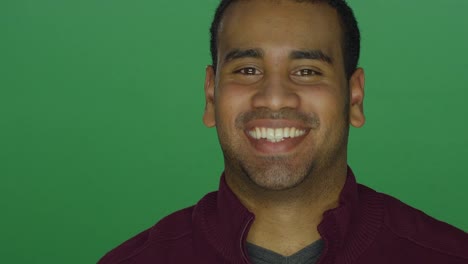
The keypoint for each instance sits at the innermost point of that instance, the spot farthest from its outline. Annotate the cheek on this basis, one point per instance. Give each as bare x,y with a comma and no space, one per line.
326,103
230,102
329,107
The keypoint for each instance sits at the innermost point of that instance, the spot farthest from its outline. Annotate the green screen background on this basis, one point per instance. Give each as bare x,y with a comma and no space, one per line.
101,105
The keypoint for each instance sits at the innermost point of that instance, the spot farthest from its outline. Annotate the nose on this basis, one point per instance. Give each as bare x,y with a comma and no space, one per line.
275,93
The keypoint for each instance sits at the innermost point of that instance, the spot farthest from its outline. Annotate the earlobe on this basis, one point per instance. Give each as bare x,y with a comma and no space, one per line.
356,86
209,114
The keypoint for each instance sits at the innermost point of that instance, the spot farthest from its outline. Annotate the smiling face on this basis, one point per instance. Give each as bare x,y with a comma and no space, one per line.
279,99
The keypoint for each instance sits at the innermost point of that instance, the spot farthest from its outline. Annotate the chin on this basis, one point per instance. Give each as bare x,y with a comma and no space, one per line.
276,177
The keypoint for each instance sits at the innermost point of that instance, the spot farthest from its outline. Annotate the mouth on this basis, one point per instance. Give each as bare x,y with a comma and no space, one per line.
275,136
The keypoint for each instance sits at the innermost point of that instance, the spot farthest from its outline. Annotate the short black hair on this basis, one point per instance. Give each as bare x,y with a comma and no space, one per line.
351,35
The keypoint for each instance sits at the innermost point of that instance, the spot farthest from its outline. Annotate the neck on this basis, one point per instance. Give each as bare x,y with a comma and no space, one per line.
286,221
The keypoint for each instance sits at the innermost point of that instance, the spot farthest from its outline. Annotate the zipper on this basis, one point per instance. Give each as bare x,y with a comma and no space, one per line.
246,227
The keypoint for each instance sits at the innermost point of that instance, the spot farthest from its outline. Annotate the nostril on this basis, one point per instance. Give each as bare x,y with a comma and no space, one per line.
276,98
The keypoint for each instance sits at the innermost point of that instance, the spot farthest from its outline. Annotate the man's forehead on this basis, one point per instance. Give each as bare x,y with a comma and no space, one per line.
284,4
264,24
247,15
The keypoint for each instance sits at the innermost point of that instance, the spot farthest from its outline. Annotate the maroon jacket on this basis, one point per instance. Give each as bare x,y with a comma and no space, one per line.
367,227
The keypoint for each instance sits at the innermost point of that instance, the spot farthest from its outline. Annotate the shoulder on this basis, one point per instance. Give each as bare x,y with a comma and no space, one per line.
419,234
175,228
423,229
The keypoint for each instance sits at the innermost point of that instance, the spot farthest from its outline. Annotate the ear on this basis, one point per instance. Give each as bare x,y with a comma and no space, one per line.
209,114
356,97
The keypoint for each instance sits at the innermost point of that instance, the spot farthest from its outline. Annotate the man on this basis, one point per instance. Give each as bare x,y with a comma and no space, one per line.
282,91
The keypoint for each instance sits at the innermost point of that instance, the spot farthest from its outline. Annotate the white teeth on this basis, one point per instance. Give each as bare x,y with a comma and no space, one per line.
300,133
259,133
276,134
270,135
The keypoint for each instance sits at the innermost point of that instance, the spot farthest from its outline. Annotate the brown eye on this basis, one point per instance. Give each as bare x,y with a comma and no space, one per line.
306,72
248,71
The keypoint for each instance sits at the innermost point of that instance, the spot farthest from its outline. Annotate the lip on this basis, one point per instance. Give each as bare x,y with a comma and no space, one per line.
265,147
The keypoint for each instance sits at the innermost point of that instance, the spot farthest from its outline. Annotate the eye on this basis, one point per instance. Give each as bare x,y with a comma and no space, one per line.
306,72
248,71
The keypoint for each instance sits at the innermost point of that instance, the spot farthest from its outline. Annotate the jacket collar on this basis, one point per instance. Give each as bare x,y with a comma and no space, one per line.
223,222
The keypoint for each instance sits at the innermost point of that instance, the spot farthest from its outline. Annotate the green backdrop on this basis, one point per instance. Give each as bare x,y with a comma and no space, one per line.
101,104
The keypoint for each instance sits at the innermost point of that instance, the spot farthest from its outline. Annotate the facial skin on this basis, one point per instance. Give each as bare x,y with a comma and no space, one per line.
280,65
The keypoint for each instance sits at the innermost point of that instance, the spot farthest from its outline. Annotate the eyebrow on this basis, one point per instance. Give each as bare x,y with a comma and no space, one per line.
311,55
295,55
247,53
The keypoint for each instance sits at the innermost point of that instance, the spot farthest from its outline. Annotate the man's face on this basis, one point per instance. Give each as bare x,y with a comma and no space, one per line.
280,100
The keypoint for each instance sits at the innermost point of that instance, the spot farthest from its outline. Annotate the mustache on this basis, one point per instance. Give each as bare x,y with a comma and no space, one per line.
309,119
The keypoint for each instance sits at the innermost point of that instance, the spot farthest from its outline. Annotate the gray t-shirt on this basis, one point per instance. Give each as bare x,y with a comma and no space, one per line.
307,255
